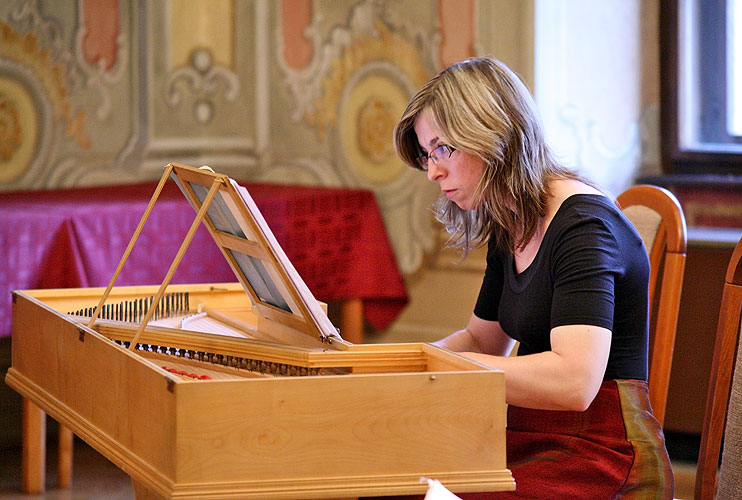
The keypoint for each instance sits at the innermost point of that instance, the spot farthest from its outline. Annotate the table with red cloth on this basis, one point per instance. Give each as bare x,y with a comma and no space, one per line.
64,238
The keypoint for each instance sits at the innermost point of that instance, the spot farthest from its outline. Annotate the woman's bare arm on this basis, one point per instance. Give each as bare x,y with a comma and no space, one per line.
565,378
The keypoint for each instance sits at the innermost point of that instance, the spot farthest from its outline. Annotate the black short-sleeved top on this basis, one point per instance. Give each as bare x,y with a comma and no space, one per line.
591,268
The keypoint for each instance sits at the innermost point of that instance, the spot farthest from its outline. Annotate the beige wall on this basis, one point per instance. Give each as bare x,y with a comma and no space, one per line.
309,90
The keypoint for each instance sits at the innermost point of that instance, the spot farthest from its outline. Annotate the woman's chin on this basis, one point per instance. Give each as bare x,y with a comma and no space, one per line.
464,205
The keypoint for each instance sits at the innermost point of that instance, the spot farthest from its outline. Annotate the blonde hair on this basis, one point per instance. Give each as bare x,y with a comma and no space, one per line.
483,108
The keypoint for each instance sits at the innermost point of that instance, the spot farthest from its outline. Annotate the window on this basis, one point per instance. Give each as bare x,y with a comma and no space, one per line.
734,67
701,78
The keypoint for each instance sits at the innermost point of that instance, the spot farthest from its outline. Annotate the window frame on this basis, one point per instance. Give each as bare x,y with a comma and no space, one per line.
676,160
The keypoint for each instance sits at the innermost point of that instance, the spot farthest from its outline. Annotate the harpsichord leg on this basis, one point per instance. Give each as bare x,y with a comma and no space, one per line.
64,458
33,462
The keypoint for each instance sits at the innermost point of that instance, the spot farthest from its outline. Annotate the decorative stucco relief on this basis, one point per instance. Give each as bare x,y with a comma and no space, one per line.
611,164
103,74
36,102
202,80
209,88
351,94
53,93
26,50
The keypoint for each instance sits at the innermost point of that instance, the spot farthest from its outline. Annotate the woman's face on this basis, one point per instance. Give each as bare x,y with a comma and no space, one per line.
458,175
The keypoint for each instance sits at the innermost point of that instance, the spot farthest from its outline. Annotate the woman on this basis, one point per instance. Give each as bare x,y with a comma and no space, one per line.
566,277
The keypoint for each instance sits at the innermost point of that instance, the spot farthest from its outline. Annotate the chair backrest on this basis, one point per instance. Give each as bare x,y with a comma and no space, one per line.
724,397
658,217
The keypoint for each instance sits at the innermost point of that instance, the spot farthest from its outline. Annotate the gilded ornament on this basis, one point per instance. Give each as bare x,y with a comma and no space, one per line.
25,50
375,124
19,129
10,128
386,46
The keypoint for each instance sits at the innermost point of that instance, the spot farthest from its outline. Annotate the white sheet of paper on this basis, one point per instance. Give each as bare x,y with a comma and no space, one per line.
436,491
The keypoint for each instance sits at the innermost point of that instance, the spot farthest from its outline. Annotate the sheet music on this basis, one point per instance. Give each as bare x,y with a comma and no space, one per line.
319,316
199,322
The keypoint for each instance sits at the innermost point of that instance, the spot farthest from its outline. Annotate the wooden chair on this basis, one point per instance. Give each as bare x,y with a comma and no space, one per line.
724,398
658,217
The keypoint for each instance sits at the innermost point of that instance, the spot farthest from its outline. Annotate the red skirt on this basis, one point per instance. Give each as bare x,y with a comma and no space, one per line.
615,449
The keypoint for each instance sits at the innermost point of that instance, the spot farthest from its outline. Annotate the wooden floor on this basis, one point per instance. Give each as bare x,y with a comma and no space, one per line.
685,480
95,478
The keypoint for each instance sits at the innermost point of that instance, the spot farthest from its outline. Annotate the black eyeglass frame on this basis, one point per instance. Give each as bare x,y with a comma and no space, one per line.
423,159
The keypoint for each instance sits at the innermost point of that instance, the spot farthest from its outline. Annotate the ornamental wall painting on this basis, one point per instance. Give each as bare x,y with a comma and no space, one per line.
59,69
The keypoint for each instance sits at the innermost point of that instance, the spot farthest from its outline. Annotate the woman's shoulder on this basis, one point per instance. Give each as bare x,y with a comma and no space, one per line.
569,194
592,212
562,189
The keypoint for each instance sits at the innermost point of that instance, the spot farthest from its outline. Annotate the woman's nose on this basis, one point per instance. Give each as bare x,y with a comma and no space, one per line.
435,172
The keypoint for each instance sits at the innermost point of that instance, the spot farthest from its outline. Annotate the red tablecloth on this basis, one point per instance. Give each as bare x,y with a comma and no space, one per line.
75,238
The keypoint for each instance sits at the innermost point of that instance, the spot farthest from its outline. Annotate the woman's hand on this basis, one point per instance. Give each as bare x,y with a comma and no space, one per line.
480,336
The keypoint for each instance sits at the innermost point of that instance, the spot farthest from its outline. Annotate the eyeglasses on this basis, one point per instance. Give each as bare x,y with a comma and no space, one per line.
442,152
